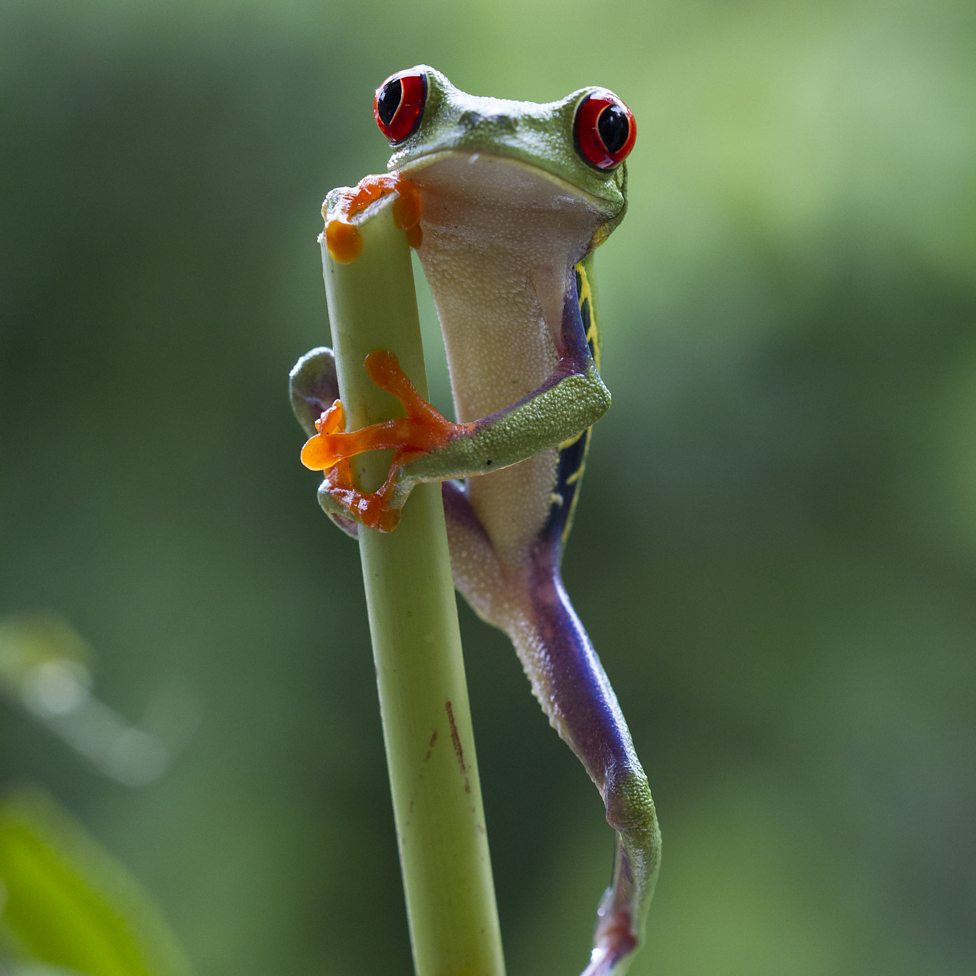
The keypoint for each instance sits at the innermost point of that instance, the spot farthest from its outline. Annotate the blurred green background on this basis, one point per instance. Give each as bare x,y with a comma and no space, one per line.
776,547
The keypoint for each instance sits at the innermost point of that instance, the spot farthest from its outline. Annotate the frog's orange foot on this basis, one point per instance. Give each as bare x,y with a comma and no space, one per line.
342,498
313,453
421,431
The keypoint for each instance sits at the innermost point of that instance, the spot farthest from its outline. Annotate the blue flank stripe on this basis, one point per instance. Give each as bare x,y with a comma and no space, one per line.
572,452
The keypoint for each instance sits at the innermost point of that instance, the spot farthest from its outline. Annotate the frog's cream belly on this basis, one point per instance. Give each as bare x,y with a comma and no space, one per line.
500,240
499,350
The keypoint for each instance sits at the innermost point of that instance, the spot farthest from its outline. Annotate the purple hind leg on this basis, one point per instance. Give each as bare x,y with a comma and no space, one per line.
574,691
528,601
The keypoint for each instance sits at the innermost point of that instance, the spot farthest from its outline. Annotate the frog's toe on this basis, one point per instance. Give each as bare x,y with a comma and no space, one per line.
313,387
349,507
338,513
330,504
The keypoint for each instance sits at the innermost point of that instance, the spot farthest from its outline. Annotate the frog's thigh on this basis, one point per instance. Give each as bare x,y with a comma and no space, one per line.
474,563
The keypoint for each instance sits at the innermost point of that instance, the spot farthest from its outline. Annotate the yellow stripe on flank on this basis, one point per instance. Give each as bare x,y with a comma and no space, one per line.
588,316
570,441
586,295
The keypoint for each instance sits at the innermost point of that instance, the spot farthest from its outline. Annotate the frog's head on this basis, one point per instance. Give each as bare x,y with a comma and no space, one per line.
577,145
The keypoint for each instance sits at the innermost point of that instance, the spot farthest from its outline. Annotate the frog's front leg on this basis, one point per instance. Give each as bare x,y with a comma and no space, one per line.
429,447
421,431
313,388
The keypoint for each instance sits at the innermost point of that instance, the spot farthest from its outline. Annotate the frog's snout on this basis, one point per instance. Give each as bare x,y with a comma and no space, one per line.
474,120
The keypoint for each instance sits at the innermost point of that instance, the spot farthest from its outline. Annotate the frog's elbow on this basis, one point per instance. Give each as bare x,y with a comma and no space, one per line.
583,399
597,395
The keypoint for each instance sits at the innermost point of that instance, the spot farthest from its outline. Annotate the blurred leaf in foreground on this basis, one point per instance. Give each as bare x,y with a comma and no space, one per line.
65,902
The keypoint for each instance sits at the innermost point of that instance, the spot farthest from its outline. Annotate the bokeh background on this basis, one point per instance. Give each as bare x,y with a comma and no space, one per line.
776,547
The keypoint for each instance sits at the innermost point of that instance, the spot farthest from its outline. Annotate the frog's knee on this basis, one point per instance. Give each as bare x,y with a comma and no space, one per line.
630,806
312,386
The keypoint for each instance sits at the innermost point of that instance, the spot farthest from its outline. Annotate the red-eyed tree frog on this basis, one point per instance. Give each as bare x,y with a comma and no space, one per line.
513,199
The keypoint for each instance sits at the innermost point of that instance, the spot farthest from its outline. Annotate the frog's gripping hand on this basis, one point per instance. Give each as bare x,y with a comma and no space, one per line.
314,391
426,445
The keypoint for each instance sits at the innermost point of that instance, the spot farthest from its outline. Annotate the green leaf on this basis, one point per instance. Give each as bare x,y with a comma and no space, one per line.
64,901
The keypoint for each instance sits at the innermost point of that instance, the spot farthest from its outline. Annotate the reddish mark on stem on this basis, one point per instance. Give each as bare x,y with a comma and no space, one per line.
456,742
430,745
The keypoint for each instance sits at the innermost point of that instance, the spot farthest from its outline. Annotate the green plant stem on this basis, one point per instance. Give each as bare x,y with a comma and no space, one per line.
416,641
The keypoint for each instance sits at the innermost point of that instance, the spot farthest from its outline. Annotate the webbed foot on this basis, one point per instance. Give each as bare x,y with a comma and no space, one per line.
422,430
314,389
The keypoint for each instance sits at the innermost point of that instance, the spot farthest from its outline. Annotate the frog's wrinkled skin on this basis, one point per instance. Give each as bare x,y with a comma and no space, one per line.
511,213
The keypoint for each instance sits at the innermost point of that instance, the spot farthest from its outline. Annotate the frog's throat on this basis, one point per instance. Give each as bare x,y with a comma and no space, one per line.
520,172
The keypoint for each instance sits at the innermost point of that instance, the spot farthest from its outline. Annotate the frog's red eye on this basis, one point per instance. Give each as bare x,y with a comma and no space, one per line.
604,130
399,103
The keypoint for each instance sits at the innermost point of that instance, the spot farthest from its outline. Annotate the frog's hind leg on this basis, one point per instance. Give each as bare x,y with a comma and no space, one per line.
574,691
530,604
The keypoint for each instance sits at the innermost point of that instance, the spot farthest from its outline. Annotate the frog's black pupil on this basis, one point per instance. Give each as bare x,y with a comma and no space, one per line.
613,127
389,101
